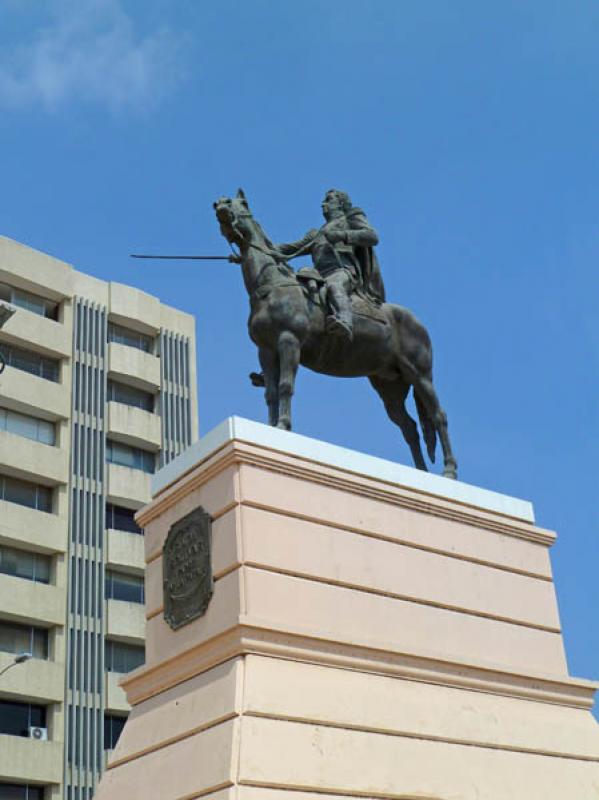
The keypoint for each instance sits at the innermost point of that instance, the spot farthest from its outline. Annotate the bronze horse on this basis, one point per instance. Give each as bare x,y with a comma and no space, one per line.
288,325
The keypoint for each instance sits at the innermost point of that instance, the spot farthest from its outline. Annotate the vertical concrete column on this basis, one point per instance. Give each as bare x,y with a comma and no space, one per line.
175,394
84,729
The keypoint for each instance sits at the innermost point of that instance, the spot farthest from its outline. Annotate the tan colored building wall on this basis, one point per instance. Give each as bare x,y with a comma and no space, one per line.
27,602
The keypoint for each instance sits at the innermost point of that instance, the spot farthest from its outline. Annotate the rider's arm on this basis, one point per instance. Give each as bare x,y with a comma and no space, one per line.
301,247
361,232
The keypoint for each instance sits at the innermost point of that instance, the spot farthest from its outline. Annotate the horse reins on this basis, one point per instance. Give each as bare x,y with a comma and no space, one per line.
279,262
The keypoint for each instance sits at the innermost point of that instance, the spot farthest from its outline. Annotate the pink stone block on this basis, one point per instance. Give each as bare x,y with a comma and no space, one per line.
367,637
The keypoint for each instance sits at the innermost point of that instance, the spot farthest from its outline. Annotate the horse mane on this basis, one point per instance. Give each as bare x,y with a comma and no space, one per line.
261,231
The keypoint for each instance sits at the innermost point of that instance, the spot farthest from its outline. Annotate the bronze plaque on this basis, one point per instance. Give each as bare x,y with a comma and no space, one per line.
187,565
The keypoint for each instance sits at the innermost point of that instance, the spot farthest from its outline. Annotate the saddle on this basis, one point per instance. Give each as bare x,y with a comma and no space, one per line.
314,287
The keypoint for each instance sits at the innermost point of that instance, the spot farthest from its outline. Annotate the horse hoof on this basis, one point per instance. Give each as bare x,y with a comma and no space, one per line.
450,473
284,425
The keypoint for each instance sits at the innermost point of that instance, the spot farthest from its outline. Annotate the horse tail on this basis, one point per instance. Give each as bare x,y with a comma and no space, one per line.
428,429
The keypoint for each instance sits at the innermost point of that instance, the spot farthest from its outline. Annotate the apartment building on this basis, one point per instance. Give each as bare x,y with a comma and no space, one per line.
99,391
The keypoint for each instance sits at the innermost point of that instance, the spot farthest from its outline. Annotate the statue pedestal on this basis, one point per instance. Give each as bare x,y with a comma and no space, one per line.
374,632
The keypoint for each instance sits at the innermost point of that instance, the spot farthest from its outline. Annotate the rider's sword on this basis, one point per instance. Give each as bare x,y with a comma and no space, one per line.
187,258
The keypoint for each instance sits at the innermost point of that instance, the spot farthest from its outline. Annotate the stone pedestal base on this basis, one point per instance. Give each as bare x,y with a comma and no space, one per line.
374,632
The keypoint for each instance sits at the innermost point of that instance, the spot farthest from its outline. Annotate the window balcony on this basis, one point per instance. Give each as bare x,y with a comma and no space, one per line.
126,550
36,680
133,366
30,330
34,271
130,306
31,394
125,622
126,485
29,761
133,426
33,461
24,601
115,698
21,526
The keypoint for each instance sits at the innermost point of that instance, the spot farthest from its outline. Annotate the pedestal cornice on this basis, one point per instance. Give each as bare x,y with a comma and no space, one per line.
449,502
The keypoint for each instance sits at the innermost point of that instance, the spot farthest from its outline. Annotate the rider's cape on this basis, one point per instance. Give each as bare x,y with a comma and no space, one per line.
371,280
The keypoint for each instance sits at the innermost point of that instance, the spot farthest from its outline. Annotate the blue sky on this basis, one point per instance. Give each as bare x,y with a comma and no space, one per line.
468,132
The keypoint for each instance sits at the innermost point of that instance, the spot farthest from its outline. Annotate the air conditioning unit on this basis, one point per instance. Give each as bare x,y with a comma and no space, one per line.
41,734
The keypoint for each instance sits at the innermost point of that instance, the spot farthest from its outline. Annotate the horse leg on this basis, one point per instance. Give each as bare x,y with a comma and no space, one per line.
423,386
269,361
393,394
289,356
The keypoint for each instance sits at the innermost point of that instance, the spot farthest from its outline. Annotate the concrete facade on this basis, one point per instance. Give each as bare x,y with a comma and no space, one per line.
372,634
96,371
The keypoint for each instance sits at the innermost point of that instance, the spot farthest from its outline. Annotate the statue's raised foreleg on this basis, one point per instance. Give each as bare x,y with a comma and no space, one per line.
269,361
289,355
393,394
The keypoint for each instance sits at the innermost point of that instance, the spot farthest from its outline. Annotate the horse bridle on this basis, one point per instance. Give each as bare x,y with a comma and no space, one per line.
277,257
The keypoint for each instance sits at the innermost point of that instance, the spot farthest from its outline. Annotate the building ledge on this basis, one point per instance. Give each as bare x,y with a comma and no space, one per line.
115,697
134,426
126,550
29,761
32,603
36,680
33,461
134,367
125,622
126,485
36,530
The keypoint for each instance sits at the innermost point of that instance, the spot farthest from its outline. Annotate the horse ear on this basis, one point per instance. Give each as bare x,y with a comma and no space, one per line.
241,195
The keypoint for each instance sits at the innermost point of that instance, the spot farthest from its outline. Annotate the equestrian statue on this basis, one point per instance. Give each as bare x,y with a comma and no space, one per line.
333,319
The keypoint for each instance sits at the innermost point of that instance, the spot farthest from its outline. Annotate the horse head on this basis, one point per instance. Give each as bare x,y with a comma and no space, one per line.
236,222
257,254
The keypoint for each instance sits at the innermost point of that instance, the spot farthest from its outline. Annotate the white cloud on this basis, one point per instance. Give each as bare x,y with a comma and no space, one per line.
90,51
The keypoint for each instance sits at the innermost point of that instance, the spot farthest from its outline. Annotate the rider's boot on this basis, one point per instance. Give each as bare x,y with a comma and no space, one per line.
340,320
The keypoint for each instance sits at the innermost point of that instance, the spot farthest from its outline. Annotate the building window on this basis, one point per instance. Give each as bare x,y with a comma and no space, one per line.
120,657
124,587
130,396
120,335
17,718
21,791
39,430
25,494
28,361
28,300
127,456
32,566
23,639
121,519
113,727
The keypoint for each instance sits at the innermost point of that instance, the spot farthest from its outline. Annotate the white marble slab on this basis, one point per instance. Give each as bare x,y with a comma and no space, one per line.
332,455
